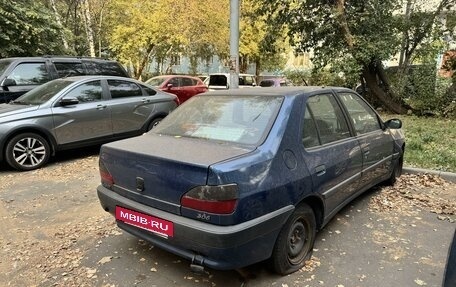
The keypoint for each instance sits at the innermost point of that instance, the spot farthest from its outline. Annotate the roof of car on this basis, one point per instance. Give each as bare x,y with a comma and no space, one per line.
57,58
276,91
94,77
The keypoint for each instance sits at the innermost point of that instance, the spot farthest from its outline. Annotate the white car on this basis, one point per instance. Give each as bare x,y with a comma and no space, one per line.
221,81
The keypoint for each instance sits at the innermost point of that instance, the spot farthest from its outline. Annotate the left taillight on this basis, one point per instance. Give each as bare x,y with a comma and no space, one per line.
106,177
219,199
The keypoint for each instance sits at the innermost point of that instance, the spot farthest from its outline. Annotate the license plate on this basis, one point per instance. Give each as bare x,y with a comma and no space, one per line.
151,223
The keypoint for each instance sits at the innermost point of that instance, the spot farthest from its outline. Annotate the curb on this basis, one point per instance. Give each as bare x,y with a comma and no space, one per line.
449,176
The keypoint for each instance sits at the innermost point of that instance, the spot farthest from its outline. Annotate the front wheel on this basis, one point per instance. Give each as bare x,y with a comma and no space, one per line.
295,242
27,151
397,172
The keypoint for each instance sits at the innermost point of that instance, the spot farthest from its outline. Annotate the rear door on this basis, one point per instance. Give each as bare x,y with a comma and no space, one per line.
332,154
87,120
377,144
130,107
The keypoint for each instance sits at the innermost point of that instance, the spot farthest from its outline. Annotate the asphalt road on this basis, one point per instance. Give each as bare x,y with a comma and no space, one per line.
54,233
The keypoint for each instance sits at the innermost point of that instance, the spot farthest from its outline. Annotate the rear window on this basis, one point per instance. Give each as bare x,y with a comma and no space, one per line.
217,80
239,119
267,83
105,68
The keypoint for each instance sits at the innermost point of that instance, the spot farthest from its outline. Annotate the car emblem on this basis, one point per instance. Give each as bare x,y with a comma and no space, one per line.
140,184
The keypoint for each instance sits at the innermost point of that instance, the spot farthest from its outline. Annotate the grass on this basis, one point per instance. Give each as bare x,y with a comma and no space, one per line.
429,142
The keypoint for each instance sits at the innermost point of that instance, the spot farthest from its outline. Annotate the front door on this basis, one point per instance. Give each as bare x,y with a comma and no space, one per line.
376,144
87,120
332,154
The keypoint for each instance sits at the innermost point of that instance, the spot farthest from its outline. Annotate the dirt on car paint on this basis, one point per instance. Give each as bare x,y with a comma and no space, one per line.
55,233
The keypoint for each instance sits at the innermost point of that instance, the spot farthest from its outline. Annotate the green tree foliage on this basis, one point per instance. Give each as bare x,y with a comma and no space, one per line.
28,29
355,34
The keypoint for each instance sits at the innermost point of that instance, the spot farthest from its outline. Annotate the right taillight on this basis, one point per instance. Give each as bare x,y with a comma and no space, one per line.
106,177
219,199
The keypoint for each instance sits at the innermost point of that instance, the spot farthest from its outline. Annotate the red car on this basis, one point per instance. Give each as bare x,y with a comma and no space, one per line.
184,87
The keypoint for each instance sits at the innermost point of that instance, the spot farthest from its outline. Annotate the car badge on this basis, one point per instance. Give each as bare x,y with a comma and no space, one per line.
140,184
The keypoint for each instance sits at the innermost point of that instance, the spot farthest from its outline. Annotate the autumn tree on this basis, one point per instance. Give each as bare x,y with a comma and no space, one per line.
261,42
356,34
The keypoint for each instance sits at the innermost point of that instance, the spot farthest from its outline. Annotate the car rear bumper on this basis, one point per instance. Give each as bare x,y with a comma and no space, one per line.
214,246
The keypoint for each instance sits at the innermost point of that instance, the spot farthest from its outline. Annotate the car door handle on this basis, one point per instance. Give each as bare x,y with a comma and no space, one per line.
101,107
366,152
320,170
145,101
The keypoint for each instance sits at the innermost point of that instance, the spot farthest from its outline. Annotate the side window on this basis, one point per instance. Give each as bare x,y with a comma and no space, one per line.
328,117
85,93
187,82
363,117
123,89
104,68
248,81
66,69
309,133
30,74
174,82
149,91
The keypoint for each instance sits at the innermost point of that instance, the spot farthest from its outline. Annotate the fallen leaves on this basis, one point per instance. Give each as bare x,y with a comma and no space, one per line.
425,191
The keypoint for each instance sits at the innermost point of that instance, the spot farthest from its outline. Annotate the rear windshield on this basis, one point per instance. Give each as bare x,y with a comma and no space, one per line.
239,119
4,65
218,80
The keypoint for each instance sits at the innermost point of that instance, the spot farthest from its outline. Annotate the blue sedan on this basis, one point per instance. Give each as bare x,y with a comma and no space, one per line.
235,177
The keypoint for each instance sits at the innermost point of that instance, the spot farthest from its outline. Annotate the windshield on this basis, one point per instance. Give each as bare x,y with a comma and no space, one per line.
4,65
43,93
239,119
156,81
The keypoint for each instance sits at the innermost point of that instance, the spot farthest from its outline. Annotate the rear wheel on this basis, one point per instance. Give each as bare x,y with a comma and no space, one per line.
27,151
154,123
295,242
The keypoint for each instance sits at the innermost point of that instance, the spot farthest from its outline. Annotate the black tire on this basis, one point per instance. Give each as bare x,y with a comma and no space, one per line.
295,242
154,123
397,172
27,151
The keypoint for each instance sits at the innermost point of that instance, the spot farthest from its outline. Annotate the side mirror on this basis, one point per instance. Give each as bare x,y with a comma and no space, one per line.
394,124
8,82
169,86
68,102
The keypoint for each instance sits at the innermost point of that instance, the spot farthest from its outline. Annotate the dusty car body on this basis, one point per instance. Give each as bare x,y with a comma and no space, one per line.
75,112
235,177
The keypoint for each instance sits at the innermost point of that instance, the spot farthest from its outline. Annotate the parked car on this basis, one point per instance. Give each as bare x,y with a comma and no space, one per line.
221,81
275,82
74,112
184,87
249,175
20,75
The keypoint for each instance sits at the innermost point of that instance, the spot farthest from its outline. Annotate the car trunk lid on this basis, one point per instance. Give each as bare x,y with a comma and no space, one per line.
158,170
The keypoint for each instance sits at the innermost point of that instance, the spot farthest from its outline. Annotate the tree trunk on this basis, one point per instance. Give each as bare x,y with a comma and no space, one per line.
59,22
88,27
372,74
